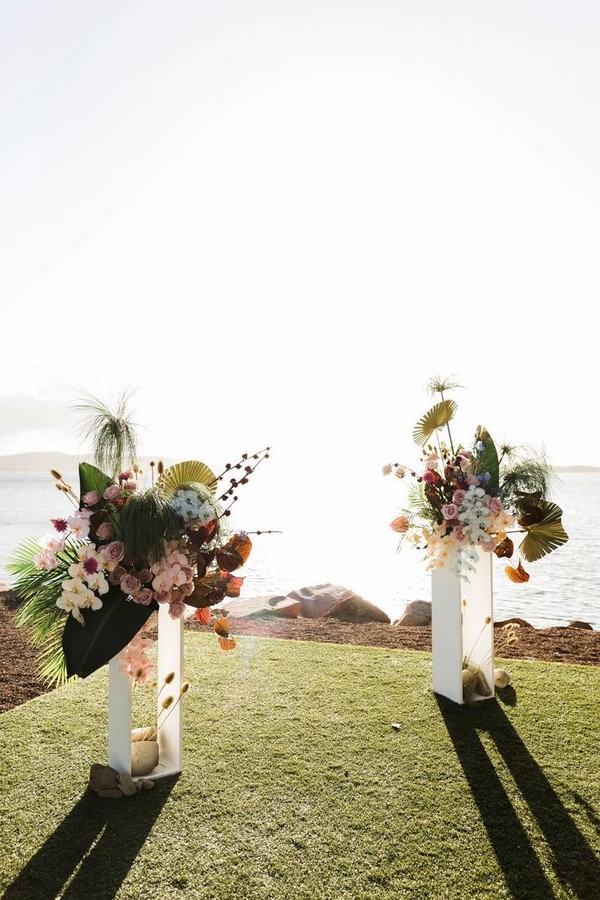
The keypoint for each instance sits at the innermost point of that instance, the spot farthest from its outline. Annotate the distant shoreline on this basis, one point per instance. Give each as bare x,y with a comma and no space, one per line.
40,462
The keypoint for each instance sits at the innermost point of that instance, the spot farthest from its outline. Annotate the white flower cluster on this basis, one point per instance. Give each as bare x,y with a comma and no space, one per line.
193,508
474,516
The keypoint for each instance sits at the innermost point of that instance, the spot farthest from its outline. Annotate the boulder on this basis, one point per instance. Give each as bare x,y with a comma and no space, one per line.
416,612
515,621
336,602
268,605
577,623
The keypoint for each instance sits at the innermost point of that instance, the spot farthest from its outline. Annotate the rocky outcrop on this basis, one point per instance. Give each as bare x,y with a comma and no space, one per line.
417,612
315,602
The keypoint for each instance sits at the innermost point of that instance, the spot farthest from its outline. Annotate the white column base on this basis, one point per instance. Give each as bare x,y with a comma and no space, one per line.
170,735
462,627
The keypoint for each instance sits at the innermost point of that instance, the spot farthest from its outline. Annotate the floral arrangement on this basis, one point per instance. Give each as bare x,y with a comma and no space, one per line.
467,500
89,587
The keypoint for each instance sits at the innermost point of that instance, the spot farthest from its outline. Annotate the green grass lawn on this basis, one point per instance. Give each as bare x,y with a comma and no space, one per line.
295,785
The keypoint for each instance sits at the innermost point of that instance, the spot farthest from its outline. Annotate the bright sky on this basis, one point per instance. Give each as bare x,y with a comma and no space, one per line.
276,220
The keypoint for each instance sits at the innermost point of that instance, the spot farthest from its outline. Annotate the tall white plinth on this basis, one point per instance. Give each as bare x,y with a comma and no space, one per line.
462,628
170,734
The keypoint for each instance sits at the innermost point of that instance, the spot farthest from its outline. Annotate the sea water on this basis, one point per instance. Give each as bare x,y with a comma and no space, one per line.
363,555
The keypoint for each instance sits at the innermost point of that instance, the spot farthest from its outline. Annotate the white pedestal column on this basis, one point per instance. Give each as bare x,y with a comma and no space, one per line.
170,735
462,628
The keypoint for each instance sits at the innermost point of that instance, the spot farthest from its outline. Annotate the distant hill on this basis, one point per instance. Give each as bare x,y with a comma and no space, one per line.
40,462
43,462
576,468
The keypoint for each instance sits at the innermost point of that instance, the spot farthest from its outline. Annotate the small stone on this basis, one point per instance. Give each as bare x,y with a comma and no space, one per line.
148,784
501,678
396,726
126,784
103,777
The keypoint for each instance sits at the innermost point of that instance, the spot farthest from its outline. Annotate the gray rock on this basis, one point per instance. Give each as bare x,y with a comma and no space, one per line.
417,612
336,602
252,606
103,778
126,784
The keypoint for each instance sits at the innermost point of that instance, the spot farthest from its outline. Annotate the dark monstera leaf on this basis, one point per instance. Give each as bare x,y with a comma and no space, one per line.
106,631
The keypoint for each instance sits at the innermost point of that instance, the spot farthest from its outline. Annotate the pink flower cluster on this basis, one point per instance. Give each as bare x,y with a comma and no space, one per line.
135,662
173,579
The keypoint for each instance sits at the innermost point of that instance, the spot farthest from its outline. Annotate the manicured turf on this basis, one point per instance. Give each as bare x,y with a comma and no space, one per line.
295,785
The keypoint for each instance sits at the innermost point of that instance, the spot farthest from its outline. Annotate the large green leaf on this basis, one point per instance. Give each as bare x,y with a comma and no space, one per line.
106,631
487,460
92,479
438,416
545,536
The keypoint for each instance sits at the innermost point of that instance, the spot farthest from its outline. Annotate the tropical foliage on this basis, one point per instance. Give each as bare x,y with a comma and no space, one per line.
90,587
470,499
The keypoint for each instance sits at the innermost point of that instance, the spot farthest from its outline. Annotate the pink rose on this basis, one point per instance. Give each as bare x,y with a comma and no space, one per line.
117,574
104,531
130,584
130,486
176,609
450,511
145,576
112,493
162,596
145,597
458,497
114,552
400,525
91,498
495,506
472,480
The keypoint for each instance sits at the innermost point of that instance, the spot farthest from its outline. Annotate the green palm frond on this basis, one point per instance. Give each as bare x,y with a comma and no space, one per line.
112,433
40,618
530,475
438,416
544,536
420,506
146,521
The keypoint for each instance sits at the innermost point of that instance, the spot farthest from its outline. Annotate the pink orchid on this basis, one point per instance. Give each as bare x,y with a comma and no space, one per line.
91,498
61,525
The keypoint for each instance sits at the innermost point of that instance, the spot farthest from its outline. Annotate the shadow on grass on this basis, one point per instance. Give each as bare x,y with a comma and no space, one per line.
93,848
573,860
